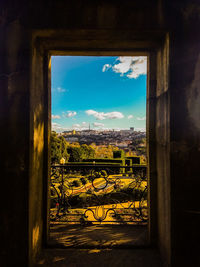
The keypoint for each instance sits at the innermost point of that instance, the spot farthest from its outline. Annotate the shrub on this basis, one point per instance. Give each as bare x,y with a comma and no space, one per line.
135,159
118,154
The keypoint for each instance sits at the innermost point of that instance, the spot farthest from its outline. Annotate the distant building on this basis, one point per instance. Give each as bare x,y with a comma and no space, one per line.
71,139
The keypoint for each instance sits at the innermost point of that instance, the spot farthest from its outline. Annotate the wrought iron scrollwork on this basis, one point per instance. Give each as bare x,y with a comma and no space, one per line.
96,194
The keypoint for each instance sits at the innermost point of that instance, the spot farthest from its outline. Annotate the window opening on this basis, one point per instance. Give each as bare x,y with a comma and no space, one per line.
98,151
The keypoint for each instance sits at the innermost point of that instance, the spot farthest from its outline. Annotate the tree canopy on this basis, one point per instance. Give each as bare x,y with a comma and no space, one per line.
60,148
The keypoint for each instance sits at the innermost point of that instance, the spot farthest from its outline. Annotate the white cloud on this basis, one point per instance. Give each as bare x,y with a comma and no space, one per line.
130,117
114,115
54,124
90,112
58,127
141,118
69,114
55,116
106,67
103,115
98,124
76,125
61,90
83,126
131,67
123,66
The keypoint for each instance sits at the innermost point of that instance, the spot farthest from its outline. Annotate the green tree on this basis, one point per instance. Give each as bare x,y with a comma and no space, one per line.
63,147
75,153
58,148
87,152
78,153
55,148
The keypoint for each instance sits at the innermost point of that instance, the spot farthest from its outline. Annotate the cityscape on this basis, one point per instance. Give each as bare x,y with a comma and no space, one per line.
122,139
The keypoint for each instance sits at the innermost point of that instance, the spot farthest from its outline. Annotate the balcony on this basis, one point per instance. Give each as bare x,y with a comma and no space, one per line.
98,203
90,194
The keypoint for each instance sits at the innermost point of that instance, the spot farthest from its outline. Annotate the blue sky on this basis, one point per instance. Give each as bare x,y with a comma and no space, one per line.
105,92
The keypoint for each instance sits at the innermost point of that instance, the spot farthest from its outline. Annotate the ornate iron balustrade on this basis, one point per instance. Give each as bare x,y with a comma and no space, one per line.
98,193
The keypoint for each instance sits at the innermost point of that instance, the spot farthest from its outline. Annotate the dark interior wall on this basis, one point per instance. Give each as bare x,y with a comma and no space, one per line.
162,151
22,111
86,14
151,146
184,21
14,141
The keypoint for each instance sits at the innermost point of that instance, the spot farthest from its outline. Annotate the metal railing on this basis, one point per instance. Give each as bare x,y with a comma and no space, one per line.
98,193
